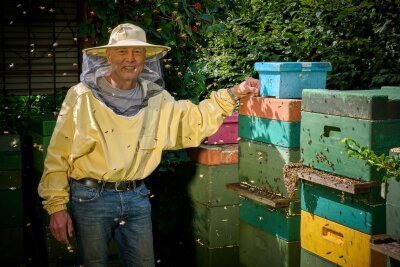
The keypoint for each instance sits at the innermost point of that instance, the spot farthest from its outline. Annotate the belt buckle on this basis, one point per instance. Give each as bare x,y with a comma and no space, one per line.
116,187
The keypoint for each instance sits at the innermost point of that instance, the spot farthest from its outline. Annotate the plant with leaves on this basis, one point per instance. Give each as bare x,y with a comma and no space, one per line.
389,164
360,38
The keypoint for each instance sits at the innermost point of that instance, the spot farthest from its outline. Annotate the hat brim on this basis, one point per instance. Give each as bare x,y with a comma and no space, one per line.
151,50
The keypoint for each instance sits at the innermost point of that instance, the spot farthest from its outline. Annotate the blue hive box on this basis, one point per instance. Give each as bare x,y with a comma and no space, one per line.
288,79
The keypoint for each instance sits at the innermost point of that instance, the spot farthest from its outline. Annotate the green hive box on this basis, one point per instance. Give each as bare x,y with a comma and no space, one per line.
261,165
309,259
40,129
11,207
343,208
40,144
10,142
10,152
275,132
11,199
391,88
10,160
320,143
275,221
217,257
12,250
216,226
258,248
42,125
208,184
10,179
362,104
393,220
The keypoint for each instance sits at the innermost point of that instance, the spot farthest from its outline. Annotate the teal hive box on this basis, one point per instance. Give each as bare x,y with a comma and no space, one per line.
288,79
343,208
261,165
275,132
275,221
258,248
321,149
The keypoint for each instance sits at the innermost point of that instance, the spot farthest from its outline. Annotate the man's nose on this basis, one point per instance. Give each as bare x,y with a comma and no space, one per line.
131,55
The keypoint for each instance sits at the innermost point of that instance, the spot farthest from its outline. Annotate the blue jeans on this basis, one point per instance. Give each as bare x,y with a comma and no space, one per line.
101,214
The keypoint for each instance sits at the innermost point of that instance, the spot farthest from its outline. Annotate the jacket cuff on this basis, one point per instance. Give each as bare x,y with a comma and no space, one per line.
54,209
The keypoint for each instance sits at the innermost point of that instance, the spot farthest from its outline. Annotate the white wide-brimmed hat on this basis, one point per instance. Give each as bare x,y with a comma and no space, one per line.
127,35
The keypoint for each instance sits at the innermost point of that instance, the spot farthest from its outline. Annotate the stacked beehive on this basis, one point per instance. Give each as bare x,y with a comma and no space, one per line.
390,244
342,208
269,129
40,130
216,210
11,201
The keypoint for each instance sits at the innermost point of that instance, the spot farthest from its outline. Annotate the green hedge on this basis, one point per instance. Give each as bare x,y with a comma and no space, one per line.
216,43
360,38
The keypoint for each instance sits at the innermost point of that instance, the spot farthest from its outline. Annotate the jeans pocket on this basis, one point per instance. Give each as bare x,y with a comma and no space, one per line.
83,193
142,190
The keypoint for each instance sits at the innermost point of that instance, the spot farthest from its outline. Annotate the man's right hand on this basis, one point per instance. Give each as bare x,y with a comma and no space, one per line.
61,226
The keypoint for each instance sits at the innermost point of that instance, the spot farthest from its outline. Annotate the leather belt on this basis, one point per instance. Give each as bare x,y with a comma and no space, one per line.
114,186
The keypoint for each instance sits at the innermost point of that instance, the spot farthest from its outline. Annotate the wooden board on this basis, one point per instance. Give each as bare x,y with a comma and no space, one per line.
341,183
258,195
386,246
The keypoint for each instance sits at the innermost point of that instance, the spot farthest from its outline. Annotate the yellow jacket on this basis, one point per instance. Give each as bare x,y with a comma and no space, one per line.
90,140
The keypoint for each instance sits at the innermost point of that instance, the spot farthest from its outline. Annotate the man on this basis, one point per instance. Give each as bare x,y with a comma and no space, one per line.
109,136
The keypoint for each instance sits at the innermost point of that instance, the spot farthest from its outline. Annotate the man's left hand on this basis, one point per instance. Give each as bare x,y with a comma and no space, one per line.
249,87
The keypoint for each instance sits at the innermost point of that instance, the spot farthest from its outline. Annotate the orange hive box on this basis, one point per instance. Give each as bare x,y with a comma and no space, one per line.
271,108
214,154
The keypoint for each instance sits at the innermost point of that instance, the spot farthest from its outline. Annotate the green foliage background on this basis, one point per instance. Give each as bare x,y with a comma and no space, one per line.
215,44
360,38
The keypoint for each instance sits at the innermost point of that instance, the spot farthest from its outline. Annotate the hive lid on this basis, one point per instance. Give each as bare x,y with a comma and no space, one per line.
362,104
293,66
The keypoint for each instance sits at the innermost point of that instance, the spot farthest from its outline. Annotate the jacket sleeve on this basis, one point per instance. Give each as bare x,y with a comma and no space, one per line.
54,184
187,124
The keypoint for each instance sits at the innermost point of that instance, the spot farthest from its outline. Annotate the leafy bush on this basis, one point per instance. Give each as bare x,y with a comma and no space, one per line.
16,109
360,38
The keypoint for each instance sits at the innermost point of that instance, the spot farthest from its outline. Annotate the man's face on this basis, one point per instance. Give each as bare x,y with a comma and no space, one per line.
127,63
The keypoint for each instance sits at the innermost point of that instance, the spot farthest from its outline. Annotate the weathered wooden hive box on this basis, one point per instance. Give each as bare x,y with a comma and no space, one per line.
364,116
